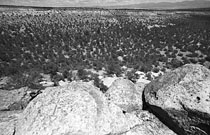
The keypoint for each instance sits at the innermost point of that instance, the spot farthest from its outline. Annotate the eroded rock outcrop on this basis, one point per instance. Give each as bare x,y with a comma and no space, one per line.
181,99
78,108
82,109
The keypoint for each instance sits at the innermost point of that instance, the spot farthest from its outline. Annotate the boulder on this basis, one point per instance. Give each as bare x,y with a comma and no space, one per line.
149,125
14,99
107,81
74,109
140,87
123,93
8,121
207,64
181,99
4,81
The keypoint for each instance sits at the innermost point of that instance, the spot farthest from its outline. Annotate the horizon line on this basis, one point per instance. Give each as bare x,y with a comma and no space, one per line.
102,7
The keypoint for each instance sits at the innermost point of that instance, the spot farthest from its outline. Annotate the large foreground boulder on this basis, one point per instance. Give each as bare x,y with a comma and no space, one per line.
74,109
181,99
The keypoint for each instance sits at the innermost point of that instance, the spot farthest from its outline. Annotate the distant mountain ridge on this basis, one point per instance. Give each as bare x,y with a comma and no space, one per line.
196,4
168,5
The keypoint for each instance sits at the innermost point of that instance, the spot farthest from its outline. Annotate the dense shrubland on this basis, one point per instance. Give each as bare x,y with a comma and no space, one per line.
62,41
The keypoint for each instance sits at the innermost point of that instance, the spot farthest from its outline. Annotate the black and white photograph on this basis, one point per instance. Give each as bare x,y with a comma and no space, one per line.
104,67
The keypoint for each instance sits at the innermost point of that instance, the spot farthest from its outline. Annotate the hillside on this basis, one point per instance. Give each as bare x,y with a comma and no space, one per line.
115,42
91,71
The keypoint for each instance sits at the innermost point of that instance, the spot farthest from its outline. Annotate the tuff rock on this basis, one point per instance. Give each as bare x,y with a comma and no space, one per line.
8,121
14,99
81,109
74,109
123,93
149,125
181,99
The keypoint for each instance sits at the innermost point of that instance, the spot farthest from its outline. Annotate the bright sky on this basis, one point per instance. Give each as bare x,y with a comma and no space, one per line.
82,2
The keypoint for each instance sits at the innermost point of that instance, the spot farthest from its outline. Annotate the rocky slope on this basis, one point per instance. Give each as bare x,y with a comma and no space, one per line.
176,103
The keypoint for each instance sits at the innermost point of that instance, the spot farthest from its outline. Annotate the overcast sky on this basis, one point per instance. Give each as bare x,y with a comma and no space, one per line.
82,2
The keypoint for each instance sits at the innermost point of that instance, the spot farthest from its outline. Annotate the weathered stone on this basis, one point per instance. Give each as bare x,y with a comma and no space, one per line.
123,93
14,100
75,109
149,125
116,121
4,81
140,87
8,121
107,81
181,99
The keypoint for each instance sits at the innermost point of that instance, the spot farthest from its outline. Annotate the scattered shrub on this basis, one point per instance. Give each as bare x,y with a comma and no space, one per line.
50,68
30,78
156,70
146,68
82,74
12,69
193,61
180,54
98,65
56,78
98,83
132,76
66,74
176,63
208,58
114,68
149,76
163,70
